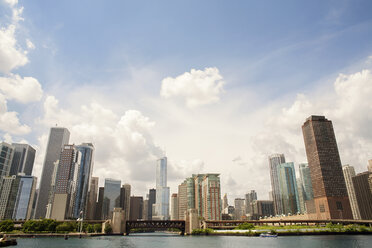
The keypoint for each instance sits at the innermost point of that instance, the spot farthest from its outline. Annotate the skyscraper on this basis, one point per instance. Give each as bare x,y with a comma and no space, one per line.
23,159
363,194
182,200
152,200
162,191
111,198
288,188
6,158
225,202
125,199
174,207
301,198
65,185
8,195
249,198
211,197
25,197
58,137
83,179
349,172
99,206
136,206
92,198
330,194
239,208
308,195
274,161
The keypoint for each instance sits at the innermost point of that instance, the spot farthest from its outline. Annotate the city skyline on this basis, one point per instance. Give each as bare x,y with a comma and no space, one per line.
220,96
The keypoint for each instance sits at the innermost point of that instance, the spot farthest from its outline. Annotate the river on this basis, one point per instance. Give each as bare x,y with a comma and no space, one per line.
158,240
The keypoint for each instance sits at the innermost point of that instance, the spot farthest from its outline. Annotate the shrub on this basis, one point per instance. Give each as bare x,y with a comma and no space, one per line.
97,228
202,231
6,226
89,228
66,227
108,229
245,226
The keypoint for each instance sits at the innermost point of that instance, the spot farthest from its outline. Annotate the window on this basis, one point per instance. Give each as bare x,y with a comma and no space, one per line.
339,205
321,208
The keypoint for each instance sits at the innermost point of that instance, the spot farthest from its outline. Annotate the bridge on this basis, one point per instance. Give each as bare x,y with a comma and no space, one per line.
155,225
231,224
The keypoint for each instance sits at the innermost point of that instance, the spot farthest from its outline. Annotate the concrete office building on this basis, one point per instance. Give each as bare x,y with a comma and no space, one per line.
182,200
162,191
65,185
111,198
363,194
23,159
25,197
125,191
330,194
58,137
8,196
349,172
239,204
249,198
174,207
6,158
92,198
83,180
136,207
274,161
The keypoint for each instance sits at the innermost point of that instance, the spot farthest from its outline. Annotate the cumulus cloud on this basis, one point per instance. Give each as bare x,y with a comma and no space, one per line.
9,121
197,87
23,90
125,148
11,55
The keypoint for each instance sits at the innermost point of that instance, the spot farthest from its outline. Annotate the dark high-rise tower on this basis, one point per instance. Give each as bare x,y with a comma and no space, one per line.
58,137
23,159
330,195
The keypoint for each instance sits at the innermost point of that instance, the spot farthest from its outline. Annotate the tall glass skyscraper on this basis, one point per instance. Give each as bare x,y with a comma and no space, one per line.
288,188
162,191
58,137
83,179
6,158
25,198
274,161
111,198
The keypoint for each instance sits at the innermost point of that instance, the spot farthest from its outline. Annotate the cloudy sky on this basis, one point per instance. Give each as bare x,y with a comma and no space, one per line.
217,86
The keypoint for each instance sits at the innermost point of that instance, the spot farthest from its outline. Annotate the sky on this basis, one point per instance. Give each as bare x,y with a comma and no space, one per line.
216,86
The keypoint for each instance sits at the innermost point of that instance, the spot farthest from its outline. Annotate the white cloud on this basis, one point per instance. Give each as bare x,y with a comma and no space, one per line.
11,56
11,2
9,121
29,44
23,90
124,145
197,87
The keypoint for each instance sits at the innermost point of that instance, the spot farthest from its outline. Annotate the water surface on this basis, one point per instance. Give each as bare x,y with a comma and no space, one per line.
159,240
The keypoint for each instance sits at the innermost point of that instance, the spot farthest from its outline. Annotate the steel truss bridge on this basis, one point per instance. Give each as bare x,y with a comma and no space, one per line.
155,225
231,224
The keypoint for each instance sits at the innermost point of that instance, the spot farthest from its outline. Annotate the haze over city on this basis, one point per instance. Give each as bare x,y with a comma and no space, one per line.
216,86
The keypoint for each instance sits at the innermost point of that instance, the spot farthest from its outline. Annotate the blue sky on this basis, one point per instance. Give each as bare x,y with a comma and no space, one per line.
279,61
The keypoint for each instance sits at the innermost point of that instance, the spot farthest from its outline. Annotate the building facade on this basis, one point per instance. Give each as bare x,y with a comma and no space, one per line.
23,159
92,198
363,194
274,161
65,183
8,196
25,197
111,197
211,197
83,180
136,207
249,198
239,204
152,200
174,207
349,172
162,191
6,158
58,137
288,188
330,195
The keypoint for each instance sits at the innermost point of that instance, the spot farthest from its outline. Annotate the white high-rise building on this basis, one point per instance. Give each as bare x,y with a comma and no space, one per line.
349,172
162,191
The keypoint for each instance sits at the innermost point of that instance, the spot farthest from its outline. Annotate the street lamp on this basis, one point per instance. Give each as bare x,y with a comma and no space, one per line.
81,221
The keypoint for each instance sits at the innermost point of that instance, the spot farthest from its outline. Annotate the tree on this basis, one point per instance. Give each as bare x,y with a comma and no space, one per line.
108,229
6,226
97,228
